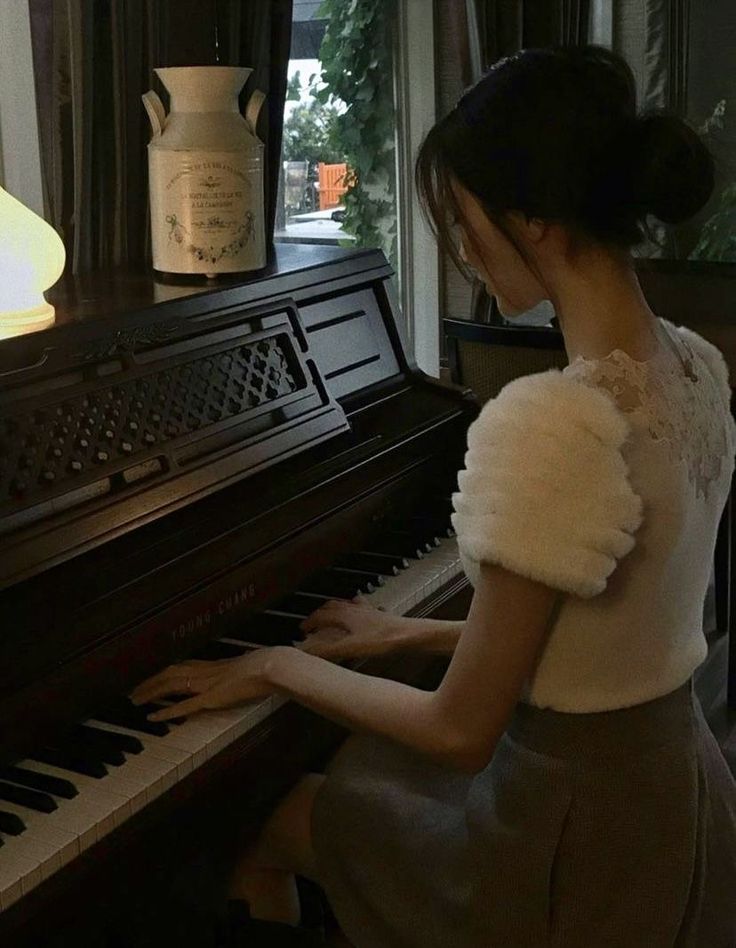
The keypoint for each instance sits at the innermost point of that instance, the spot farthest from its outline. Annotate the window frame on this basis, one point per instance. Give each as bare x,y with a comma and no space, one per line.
416,113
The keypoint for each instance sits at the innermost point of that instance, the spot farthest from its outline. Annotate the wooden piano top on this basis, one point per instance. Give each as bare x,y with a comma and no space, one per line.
103,293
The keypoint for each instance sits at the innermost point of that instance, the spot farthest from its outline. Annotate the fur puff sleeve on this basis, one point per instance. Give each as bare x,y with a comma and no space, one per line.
545,490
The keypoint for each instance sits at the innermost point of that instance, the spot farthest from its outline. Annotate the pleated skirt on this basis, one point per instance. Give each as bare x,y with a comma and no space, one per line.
613,829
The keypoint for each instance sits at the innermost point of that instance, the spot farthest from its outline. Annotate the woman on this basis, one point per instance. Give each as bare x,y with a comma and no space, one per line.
560,787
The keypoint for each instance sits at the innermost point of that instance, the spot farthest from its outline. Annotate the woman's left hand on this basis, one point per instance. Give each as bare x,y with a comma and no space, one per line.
219,684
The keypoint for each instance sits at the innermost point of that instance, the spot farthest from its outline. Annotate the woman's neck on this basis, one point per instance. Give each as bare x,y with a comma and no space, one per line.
600,307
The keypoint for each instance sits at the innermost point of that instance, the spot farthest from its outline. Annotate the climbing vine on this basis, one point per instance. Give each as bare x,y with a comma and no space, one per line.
357,68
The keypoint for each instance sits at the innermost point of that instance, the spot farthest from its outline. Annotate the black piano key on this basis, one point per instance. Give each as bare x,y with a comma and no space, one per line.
123,742
384,563
267,629
439,501
339,584
439,526
174,699
395,546
293,618
374,577
125,714
30,778
93,745
303,604
65,761
87,751
33,799
215,650
318,585
11,824
415,537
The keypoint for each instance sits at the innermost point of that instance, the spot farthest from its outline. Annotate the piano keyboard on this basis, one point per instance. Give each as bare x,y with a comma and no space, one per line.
67,798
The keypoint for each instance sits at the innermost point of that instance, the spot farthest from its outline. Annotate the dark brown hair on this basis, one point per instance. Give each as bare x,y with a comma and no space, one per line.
554,133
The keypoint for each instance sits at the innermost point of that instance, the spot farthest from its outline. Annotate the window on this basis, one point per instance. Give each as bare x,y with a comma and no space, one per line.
407,85
338,181
352,125
20,165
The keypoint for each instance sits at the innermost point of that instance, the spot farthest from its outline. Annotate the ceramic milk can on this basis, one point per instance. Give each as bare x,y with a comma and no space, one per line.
205,167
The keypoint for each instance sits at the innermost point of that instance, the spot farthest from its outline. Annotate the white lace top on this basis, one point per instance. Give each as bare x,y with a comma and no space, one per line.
680,459
624,518
656,392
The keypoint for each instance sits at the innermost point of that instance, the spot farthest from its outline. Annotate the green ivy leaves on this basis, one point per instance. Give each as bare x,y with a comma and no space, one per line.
357,67
718,236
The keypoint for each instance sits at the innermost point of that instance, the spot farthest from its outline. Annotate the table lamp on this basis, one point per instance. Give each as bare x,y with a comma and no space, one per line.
32,259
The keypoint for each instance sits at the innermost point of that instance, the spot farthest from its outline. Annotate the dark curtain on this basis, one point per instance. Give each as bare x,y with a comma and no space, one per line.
506,26
502,27
93,59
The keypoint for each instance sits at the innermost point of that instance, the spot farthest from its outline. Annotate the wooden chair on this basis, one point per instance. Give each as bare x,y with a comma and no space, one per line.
485,357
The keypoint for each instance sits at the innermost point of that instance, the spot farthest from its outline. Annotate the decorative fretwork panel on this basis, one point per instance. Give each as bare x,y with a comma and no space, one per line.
62,444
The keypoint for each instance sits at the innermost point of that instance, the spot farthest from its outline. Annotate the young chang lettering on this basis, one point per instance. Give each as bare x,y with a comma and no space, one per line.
203,618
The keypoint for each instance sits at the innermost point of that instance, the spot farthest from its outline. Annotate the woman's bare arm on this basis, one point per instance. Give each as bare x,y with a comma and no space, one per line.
344,629
436,636
458,724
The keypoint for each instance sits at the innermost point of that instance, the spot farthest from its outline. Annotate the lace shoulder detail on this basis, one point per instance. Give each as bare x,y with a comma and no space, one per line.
680,396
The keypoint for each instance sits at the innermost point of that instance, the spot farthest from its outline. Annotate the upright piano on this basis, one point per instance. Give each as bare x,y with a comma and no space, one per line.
189,470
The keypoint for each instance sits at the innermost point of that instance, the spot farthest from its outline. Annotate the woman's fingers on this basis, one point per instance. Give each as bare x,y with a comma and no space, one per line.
325,649
328,635
193,685
329,642
177,679
334,611
181,709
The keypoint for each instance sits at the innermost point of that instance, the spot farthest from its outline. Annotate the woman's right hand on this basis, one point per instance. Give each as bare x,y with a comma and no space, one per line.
350,628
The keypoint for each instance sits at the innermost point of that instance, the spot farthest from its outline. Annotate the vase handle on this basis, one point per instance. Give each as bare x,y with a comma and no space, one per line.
253,109
156,112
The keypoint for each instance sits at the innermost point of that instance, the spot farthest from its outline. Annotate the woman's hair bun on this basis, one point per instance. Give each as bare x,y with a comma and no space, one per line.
673,170
555,132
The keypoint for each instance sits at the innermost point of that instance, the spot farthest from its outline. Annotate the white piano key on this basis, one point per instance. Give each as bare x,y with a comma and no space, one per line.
44,844
13,871
177,738
90,815
152,746
93,817
241,720
30,880
157,775
423,577
52,840
42,853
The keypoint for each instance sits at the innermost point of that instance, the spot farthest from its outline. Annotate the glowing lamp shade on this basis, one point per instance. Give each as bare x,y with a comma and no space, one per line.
32,259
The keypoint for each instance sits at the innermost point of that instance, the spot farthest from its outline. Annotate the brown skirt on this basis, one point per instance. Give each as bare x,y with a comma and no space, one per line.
614,829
